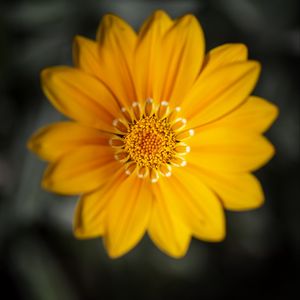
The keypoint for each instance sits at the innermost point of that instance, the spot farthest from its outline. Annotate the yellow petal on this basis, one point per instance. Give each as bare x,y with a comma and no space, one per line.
148,59
128,215
86,56
116,43
183,53
223,55
194,203
55,140
91,211
166,227
220,92
80,97
255,115
226,149
236,191
81,170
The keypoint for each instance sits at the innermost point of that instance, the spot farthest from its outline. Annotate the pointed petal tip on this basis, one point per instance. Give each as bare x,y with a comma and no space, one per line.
112,251
159,13
109,19
255,66
31,145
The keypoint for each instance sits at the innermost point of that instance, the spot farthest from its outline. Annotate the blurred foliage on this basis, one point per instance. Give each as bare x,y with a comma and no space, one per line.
40,259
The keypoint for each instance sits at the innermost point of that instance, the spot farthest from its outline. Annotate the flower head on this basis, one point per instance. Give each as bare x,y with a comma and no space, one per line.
162,137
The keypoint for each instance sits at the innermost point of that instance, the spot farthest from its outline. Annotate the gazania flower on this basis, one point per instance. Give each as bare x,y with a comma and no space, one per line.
162,137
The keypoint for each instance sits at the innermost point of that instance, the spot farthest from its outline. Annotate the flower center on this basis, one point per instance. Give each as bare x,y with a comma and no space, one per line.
150,140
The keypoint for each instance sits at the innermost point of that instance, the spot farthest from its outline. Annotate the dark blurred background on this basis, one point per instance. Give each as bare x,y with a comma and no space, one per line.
40,259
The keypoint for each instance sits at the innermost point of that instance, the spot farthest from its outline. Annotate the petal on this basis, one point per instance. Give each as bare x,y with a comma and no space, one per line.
116,44
236,191
91,210
81,170
183,54
166,227
195,204
222,56
80,97
55,140
128,215
229,150
86,56
220,92
148,57
255,115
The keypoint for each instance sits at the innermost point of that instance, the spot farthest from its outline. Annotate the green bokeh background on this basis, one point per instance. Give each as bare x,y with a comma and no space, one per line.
39,257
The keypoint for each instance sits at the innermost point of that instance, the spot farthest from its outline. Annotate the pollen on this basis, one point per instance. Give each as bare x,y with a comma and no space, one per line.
150,139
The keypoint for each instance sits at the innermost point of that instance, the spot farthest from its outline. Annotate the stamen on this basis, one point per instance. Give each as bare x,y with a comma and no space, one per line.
136,110
148,107
179,124
174,114
121,156
126,114
116,142
182,148
119,125
178,161
154,176
130,167
166,170
143,172
185,134
163,109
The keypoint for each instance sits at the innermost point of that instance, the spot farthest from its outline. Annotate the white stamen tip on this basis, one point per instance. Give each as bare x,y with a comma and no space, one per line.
110,142
149,100
168,174
116,156
127,172
115,122
183,163
135,104
164,103
188,149
178,109
153,180
141,176
183,121
191,132
123,109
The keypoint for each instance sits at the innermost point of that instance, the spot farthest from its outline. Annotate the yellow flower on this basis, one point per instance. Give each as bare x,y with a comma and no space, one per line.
163,136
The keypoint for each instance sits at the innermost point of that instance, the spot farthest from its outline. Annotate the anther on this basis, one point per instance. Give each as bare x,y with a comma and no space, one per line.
130,167
163,109
121,156
182,148
126,114
185,134
154,176
148,107
178,161
174,114
136,110
178,124
116,142
120,125
143,172
166,170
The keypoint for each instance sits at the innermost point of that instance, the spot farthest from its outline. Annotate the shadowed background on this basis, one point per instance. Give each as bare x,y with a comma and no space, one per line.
40,259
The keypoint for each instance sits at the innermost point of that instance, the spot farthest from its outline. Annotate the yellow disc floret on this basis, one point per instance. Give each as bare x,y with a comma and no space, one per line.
149,139
150,142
